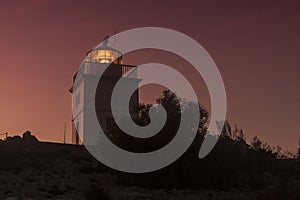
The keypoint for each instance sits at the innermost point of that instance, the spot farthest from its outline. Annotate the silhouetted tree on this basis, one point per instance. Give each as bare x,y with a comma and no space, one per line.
170,102
256,144
174,111
298,153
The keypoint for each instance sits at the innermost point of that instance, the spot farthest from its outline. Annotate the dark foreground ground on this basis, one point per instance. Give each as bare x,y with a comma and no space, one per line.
37,170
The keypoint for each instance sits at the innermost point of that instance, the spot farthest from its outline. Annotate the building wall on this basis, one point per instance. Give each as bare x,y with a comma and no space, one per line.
85,92
78,112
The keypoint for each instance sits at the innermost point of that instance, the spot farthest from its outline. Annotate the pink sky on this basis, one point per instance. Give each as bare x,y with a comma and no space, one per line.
255,45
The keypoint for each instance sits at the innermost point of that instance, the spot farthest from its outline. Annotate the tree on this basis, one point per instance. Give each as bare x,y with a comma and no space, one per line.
174,110
256,143
298,153
170,102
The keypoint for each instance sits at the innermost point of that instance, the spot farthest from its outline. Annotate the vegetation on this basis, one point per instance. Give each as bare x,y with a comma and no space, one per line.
233,163
255,168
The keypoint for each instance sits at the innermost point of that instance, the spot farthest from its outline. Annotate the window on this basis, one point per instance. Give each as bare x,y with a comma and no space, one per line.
77,100
105,56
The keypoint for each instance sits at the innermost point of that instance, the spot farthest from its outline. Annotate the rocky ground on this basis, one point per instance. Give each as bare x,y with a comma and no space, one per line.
34,170
48,185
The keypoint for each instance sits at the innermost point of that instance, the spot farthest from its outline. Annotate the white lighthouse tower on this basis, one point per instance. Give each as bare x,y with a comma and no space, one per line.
94,66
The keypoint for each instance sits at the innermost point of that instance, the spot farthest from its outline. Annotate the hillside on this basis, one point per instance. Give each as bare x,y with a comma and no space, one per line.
39,170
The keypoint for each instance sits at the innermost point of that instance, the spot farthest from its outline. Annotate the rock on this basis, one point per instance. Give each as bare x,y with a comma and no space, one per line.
29,139
27,134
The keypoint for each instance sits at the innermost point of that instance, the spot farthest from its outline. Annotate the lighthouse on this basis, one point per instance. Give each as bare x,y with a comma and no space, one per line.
94,81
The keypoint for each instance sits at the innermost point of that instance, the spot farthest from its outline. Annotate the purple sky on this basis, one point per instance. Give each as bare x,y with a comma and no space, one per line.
255,44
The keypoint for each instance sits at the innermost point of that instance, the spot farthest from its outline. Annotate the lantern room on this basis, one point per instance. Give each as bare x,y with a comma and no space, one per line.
104,54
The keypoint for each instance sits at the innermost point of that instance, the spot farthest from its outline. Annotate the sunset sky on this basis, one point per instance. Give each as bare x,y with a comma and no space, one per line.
255,44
